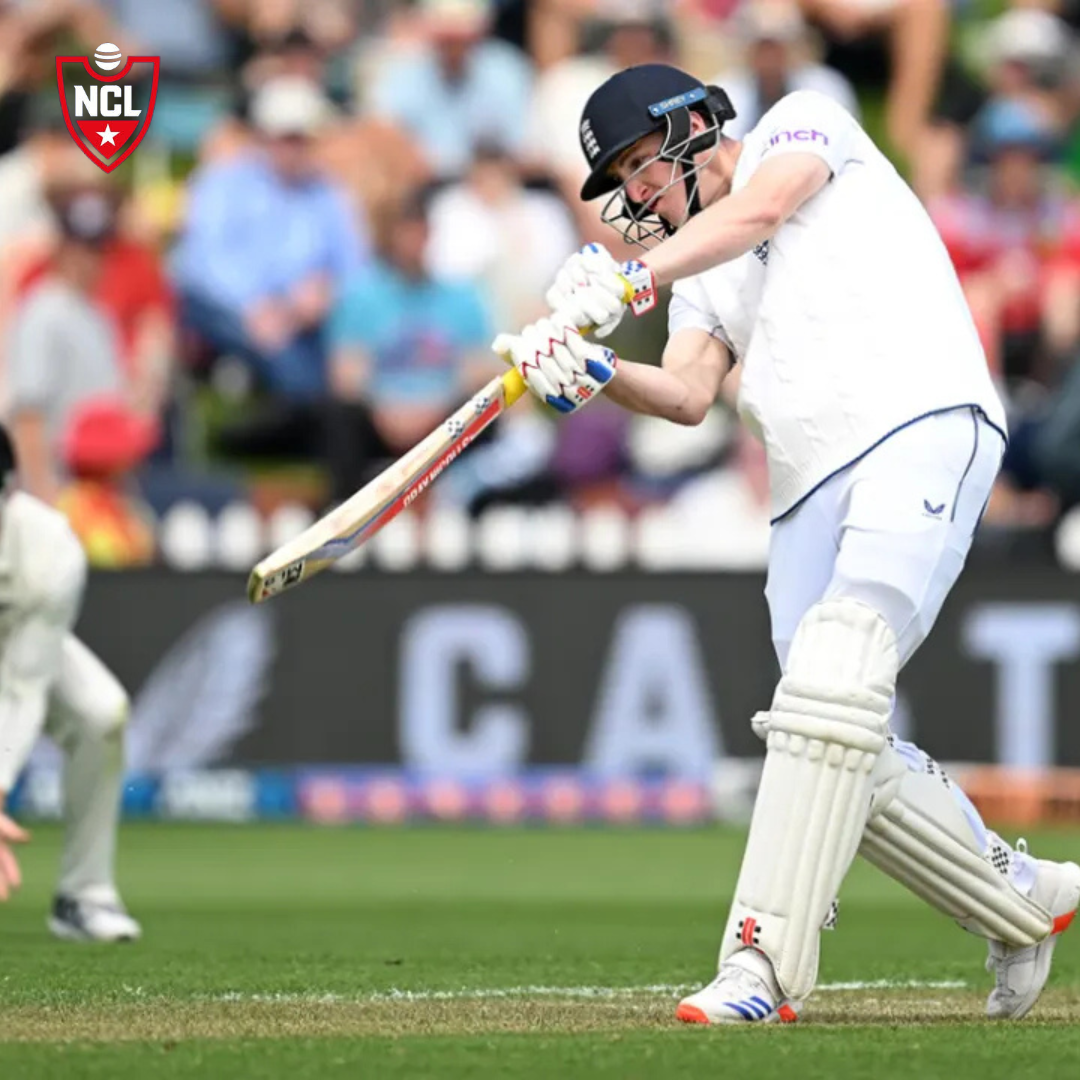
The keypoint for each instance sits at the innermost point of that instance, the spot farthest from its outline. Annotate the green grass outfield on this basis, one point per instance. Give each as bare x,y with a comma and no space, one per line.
447,952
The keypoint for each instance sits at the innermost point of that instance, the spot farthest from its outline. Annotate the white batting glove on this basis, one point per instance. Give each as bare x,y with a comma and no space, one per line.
593,290
558,365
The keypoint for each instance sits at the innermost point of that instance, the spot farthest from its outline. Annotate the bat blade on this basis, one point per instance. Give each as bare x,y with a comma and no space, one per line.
375,505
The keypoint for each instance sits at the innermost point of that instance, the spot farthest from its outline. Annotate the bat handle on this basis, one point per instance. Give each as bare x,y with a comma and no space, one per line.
513,386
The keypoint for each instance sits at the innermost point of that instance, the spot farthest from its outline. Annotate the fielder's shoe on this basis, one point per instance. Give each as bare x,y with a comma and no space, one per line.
1021,973
90,920
744,992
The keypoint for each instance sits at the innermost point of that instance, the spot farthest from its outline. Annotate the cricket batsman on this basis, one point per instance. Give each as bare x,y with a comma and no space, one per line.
50,681
800,255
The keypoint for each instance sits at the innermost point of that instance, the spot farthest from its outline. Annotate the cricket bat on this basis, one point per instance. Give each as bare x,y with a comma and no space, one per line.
376,504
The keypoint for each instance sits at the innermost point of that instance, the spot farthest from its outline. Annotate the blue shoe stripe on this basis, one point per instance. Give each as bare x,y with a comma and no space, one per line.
742,1010
764,1004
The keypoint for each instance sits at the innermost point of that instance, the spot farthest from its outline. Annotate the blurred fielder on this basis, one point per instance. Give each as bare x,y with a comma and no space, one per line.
51,682
801,255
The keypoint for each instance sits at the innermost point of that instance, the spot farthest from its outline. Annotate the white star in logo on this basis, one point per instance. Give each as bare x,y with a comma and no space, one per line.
108,136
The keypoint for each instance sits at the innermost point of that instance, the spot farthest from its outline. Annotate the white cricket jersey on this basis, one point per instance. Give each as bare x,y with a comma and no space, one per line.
42,575
849,323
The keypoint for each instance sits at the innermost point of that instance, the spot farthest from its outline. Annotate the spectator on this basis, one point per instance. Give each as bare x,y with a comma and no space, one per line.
553,29
1025,54
704,35
45,156
493,231
187,35
63,349
406,350
331,24
267,244
458,89
776,62
294,55
104,444
908,39
1017,247
375,161
132,288
194,75
32,33
1028,57
624,33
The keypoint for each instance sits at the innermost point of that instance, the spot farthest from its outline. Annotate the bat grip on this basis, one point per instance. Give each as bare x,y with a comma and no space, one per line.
513,386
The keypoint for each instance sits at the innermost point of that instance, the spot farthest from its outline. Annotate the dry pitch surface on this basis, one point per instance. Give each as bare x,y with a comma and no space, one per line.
292,952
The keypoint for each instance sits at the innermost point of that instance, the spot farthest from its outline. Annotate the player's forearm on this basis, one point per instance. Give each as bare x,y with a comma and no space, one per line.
654,391
740,222
720,233
35,459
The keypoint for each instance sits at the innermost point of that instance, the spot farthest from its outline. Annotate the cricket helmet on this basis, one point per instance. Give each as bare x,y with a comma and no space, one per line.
633,104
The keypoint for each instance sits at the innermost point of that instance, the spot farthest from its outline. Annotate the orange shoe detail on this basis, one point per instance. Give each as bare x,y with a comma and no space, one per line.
690,1014
1061,923
787,1014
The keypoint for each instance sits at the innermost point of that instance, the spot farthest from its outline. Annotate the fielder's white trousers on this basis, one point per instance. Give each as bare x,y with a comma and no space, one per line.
88,710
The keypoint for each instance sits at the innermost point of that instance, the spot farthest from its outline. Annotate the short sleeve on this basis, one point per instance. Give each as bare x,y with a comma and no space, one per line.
808,122
473,323
31,361
352,315
688,310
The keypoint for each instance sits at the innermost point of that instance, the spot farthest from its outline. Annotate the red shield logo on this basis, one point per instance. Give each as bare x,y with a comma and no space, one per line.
107,118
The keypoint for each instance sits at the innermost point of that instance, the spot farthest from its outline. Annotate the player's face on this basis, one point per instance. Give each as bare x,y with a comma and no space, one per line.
649,182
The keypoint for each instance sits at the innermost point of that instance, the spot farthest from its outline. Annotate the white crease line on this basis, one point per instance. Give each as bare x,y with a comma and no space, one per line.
602,993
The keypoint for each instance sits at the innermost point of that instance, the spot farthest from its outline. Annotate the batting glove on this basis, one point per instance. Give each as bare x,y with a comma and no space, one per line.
592,289
558,365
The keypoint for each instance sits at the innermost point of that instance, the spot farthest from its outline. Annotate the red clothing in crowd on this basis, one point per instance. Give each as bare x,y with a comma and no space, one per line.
132,284
1037,240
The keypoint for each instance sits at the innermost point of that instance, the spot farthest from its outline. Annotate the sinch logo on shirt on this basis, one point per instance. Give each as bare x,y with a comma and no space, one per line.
107,114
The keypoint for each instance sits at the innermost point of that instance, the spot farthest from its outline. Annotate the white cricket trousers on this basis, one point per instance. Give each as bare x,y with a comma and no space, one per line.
88,711
893,530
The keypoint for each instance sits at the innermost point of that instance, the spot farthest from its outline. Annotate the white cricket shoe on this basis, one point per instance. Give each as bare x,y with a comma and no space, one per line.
91,920
1021,973
744,992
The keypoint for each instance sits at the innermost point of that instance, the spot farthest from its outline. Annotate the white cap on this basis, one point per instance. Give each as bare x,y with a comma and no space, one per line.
290,105
1029,36
625,12
770,20
456,16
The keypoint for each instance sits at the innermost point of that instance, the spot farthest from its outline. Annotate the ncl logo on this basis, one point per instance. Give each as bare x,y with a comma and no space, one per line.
101,114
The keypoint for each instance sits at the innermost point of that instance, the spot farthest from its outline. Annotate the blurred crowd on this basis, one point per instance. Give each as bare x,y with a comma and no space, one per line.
338,204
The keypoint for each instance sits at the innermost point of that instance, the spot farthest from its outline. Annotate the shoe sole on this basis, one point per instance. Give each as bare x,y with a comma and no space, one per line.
1044,956
691,1014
